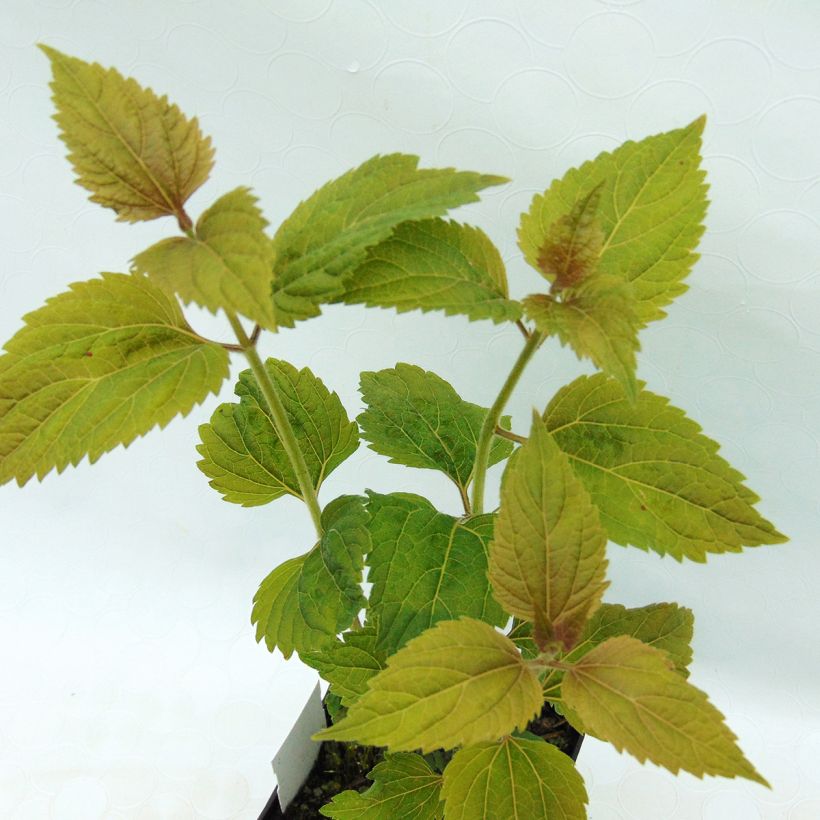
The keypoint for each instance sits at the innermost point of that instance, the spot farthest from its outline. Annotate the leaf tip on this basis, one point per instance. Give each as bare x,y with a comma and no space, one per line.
49,51
697,125
490,180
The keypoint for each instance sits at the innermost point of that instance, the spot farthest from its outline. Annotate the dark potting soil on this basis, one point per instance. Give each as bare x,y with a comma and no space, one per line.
342,766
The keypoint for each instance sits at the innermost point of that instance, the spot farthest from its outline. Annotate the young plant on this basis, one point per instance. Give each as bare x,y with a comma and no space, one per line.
473,623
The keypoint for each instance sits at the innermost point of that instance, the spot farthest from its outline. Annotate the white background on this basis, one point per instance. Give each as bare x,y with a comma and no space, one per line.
131,683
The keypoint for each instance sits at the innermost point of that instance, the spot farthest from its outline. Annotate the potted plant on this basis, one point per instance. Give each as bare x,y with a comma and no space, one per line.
483,647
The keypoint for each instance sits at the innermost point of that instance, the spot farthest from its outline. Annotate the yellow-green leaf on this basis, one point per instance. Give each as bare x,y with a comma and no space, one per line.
227,264
547,556
134,151
651,207
667,627
416,418
404,788
435,265
629,694
276,611
244,456
348,666
598,320
517,778
657,481
460,682
326,238
425,567
95,367
572,245
307,601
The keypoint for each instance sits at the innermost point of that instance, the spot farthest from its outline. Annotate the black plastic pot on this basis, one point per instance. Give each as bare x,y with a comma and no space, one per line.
549,725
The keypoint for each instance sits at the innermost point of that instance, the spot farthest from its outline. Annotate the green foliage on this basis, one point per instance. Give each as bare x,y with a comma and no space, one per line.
242,451
651,200
226,263
327,237
515,777
113,357
459,683
134,151
425,567
598,320
547,557
596,314
404,786
667,627
417,419
305,602
631,695
348,665
657,481
97,366
435,265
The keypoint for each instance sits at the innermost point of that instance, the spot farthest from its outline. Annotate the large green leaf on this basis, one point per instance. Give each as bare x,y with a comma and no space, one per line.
548,553
517,778
404,788
326,238
651,207
598,320
667,627
460,682
95,367
226,264
348,666
425,567
630,694
435,265
416,418
307,601
242,453
657,481
134,151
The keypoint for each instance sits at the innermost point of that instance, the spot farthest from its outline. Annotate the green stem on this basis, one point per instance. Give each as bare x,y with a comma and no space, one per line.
485,438
281,422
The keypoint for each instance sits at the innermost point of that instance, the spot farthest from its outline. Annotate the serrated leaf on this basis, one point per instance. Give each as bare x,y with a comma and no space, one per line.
134,151
348,666
514,778
306,601
404,788
242,453
548,553
329,589
435,265
95,367
657,481
425,567
276,610
326,238
629,694
572,246
458,683
598,320
417,419
227,264
651,208
667,627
